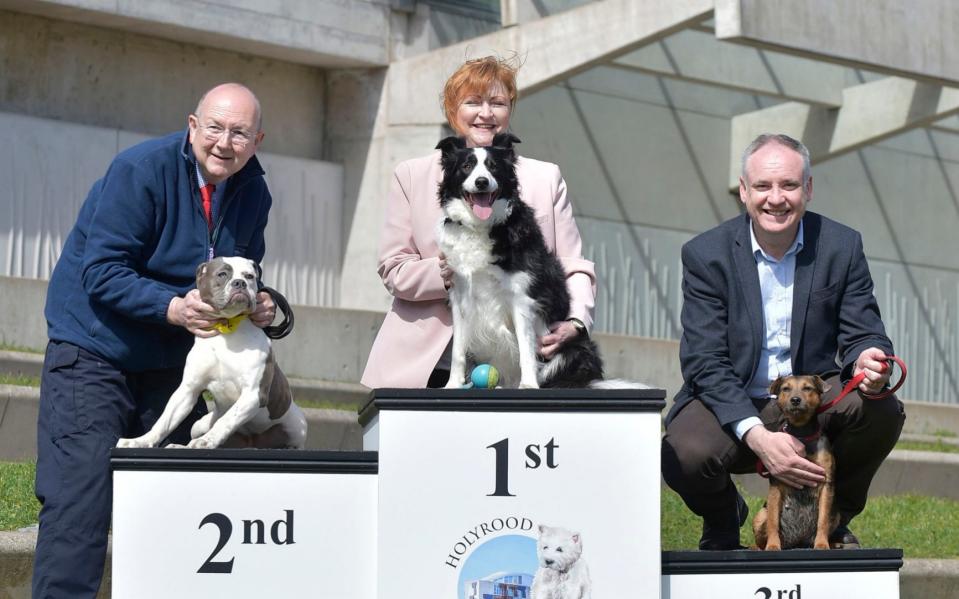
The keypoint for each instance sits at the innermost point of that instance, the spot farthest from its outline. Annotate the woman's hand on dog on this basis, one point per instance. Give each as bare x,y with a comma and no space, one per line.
265,311
446,272
784,458
560,333
871,362
193,314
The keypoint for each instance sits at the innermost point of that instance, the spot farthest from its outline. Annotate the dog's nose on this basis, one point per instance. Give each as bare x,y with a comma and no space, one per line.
795,400
549,562
238,284
482,183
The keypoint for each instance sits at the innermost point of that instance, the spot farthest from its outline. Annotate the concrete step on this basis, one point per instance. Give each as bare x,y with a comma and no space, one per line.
928,473
333,394
19,407
20,363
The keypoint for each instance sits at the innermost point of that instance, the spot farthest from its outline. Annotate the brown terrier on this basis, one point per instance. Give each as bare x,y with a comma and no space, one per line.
800,518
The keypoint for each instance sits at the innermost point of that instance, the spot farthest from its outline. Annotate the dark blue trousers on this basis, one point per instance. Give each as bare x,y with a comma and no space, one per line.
86,404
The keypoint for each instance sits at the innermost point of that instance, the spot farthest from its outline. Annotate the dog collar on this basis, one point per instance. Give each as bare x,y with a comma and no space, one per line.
231,324
809,442
807,439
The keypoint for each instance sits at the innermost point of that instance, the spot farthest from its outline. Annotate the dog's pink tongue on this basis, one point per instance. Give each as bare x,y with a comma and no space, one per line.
482,205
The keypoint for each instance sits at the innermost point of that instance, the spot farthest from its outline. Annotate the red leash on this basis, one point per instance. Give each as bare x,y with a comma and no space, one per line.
856,380
850,386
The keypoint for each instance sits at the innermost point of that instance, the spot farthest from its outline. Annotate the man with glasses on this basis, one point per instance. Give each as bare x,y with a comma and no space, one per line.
122,313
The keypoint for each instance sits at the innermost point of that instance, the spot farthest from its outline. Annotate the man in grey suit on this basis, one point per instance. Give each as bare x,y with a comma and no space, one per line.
777,291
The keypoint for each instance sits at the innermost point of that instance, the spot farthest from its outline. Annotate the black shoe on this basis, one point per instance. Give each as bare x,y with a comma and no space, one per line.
719,534
842,538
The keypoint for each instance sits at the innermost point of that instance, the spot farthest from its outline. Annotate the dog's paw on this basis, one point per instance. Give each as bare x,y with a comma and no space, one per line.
136,443
174,446
773,547
201,443
533,385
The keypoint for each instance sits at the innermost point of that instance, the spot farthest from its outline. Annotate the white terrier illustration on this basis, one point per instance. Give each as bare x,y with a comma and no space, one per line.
561,574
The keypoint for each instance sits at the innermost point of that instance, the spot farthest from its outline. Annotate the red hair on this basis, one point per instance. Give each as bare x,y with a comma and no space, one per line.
478,76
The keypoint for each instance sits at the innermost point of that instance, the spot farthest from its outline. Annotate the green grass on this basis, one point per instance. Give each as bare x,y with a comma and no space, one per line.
327,405
926,446
26,350
18,506
925,527
19,380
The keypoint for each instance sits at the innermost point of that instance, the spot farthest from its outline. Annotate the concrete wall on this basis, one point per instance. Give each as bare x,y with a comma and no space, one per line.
318,32
73,95
646,159
103,77
40,210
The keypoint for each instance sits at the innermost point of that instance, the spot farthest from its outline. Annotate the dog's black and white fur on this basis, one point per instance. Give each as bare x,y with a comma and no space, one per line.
507,286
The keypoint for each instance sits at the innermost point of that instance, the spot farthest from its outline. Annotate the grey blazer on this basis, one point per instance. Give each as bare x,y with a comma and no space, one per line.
834,316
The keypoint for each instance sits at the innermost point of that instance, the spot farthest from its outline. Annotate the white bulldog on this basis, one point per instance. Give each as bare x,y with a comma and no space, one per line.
252,401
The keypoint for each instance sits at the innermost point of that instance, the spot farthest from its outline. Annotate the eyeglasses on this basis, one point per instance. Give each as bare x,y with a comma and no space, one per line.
238,137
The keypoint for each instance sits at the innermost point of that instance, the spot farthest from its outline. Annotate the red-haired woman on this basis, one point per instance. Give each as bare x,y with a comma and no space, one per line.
412,347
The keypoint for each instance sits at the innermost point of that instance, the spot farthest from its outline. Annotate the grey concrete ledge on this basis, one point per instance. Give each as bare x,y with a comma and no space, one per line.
350,396
929,579
914,472
333,429
19,406
17,542
21,363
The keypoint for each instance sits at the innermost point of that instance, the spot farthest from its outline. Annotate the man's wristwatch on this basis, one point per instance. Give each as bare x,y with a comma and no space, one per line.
580,327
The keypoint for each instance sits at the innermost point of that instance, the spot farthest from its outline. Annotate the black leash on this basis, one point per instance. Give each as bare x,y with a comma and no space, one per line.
285,327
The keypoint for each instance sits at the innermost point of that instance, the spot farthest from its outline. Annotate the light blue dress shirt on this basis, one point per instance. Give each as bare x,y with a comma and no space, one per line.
776,284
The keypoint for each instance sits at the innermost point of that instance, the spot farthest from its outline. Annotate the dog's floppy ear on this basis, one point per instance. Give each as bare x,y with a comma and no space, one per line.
451,144
821,385
200,271
448,147
505,140
776,385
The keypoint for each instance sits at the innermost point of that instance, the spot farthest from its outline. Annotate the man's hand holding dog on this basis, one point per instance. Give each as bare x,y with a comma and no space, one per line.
877,370
265,311
193,314
784,457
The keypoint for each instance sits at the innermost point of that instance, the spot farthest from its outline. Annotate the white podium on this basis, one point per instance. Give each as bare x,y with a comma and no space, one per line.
467,478
794,574
243,523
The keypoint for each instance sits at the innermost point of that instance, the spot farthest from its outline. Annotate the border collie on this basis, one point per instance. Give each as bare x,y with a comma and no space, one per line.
507,286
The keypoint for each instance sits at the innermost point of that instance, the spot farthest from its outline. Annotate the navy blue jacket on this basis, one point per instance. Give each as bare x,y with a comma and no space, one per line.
135,246
834,315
